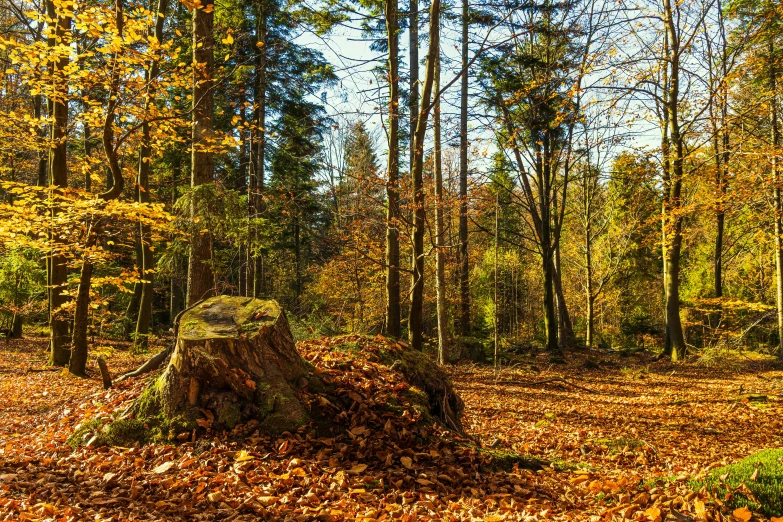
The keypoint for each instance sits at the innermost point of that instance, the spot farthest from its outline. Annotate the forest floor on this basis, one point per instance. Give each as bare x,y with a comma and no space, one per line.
622,440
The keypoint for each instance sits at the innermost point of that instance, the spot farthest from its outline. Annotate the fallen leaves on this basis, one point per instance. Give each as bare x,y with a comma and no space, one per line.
163,468
626,452
742,514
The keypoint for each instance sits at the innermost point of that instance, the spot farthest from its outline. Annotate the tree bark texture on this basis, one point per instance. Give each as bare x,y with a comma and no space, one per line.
58,177
201,282
415,319
440,254
235,361
464,282
393,313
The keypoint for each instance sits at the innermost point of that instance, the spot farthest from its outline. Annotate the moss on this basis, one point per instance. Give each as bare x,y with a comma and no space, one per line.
506,460
280,422
84,433
316,385
350,347
767,488
229,415
123,432
149,402
420,403
566,465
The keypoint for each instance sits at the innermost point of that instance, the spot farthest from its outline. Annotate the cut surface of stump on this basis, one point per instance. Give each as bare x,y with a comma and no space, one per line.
234,362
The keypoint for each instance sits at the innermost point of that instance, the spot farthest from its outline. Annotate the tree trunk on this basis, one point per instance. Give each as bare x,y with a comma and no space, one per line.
147,264
415,319
16,326
667,168
234,362
201,283
674,224
464,283
254,274
87,146
440,254
590,297
413,58
495,303
550,317
776,181
43,168
78,360
566,336
590,321
77,364
58,177
392,326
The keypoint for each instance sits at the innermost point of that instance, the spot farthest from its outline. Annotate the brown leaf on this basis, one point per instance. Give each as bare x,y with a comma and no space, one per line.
742,514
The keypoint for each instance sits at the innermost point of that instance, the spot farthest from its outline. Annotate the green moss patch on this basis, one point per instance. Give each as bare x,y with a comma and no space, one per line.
506,460
766,486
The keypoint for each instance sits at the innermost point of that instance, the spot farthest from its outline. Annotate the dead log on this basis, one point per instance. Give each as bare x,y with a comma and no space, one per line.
234,361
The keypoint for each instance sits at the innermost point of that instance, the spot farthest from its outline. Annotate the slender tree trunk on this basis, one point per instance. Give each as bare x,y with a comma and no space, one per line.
43,169
550,317
132,311
77,364
201,283
667,169
566,336
87,147
590,298
392,182
674,222
440,255
297,260
776,194
464,282
255,278
413,57
78,359
415,319
147,259
243,169
58,177
496,304
548,249
590,321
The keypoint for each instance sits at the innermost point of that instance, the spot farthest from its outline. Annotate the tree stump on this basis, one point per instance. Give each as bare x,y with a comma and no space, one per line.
234,361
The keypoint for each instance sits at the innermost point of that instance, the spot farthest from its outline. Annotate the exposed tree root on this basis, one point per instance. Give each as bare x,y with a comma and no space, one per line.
151,365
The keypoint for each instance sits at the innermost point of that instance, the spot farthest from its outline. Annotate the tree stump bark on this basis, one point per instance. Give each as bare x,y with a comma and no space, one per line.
234,361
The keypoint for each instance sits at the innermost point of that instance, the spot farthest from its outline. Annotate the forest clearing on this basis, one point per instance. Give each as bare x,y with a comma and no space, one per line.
629,446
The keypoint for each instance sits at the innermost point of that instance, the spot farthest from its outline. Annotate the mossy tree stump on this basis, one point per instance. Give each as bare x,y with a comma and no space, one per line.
234,361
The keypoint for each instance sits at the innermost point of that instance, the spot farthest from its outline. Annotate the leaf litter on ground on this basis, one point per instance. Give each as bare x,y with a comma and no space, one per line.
628,451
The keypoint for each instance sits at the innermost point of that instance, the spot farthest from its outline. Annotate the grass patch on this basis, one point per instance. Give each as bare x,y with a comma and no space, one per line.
635,373
767,488
505,460
349,347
